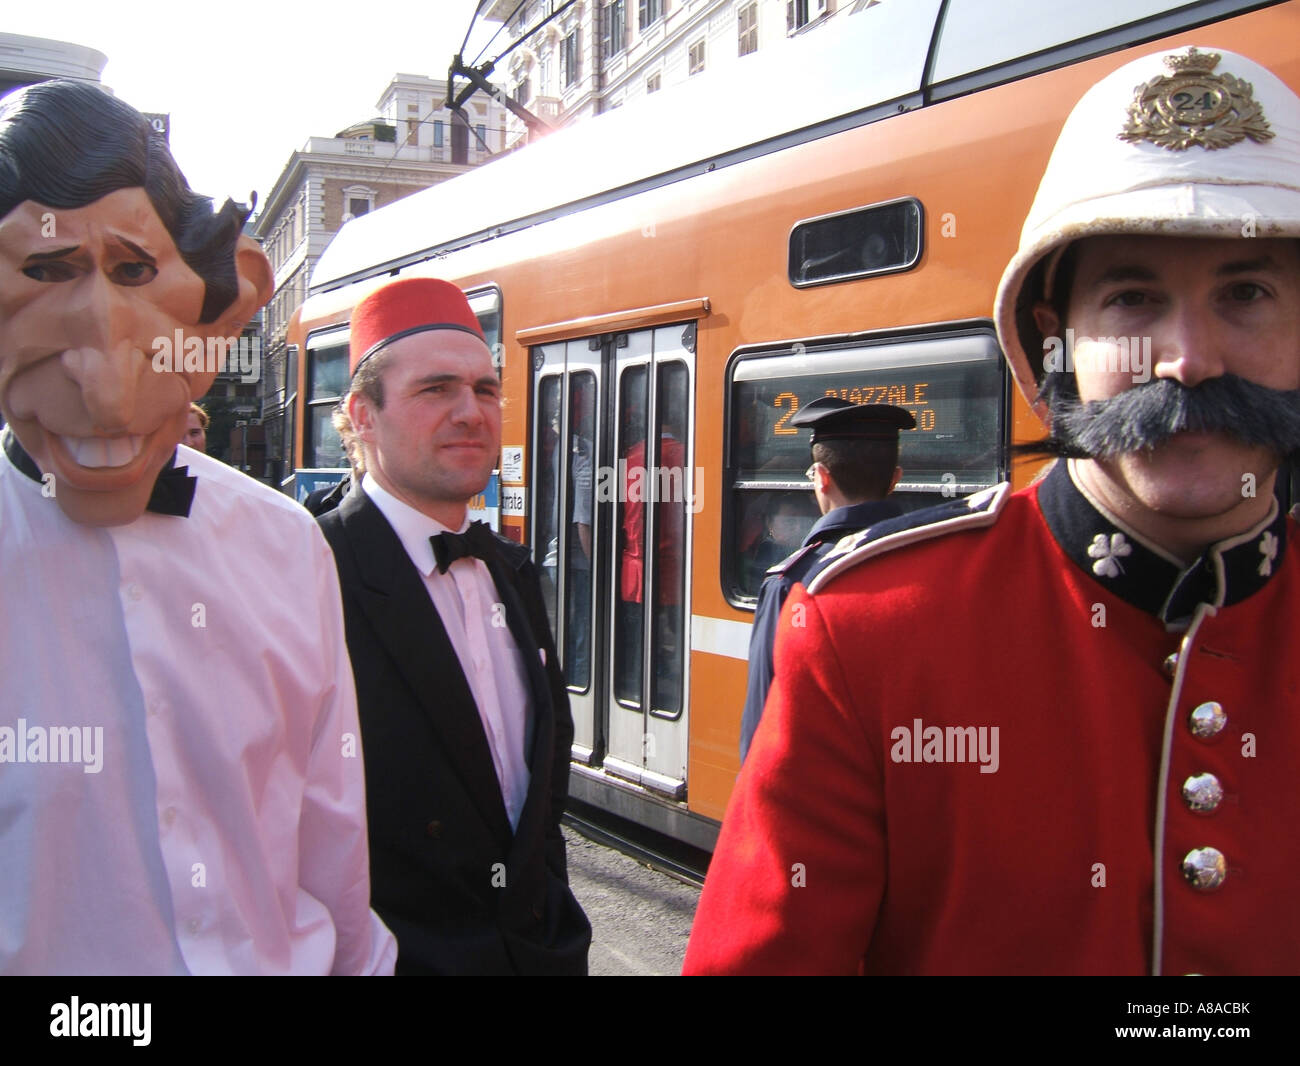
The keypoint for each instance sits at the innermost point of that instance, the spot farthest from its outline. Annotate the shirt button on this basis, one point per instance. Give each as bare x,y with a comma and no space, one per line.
194,925
1207,720
1202,793
1205,869
134,592
169,816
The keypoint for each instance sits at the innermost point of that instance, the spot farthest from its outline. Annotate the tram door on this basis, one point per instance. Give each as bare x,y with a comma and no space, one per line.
567,426
614,494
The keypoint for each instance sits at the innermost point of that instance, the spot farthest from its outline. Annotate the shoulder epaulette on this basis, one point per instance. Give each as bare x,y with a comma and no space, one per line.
976,511
777,569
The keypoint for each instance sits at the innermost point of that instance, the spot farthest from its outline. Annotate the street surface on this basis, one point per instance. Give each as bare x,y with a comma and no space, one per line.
640,918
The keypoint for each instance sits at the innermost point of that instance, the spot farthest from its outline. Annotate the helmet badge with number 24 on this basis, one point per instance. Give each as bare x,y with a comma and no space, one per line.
1195,106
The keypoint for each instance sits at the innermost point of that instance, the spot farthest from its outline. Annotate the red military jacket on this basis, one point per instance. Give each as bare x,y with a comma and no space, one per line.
978,757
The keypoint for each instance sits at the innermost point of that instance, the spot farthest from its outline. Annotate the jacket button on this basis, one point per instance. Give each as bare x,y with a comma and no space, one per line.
434,829
1205,869
537,913
1170,665
1207,720
1202,793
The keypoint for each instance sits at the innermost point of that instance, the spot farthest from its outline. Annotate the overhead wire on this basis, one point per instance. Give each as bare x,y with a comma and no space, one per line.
493,38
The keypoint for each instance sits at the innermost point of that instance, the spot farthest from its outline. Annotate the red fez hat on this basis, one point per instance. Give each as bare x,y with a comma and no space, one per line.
412,305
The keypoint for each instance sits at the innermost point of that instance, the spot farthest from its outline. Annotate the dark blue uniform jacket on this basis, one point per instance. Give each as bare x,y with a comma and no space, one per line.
780,579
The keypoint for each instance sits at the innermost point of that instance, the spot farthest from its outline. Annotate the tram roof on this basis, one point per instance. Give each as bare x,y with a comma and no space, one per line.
864,63
850,66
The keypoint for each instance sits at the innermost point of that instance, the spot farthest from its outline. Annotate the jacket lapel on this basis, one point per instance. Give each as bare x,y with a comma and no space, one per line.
396,603
503,577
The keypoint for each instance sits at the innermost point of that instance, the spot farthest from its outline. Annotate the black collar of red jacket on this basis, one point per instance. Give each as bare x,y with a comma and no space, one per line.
173,491
1139,573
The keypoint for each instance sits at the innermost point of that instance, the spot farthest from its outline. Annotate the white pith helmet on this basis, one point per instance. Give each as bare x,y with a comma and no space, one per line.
1193,143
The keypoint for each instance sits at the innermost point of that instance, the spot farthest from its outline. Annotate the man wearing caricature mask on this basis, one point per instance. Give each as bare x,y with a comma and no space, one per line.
181,788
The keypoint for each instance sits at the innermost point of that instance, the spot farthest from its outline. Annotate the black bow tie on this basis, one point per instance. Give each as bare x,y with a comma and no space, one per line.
173,492
477,542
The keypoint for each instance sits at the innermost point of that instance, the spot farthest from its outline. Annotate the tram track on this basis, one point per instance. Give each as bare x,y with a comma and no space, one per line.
679,861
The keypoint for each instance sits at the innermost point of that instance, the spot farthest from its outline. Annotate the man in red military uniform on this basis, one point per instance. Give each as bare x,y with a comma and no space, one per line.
1054,732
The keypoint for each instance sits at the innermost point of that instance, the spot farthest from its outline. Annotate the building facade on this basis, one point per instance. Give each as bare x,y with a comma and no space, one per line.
414,143
596,55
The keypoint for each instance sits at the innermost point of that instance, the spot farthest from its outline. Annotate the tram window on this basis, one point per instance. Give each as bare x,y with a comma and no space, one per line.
673,384
979,34
327,378
883,239
953,384
486,306
290,401
628,646
582,499
546,546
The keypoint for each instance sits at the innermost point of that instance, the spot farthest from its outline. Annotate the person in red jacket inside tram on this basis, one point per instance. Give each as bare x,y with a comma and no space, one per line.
1056,731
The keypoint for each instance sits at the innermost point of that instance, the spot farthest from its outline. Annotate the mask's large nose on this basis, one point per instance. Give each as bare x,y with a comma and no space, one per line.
101,356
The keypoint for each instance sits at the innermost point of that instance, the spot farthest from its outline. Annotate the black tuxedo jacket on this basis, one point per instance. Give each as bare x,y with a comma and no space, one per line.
461,892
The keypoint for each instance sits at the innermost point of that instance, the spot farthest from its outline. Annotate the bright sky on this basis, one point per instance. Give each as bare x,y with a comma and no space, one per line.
247,83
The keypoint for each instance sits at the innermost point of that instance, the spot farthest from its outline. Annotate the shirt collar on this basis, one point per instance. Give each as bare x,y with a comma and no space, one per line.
413,528
1142,574
850,519
173,488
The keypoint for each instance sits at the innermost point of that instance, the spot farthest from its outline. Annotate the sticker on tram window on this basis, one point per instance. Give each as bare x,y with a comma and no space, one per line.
512,464
512,502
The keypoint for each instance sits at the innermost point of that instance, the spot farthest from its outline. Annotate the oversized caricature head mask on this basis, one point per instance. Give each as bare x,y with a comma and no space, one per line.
105,254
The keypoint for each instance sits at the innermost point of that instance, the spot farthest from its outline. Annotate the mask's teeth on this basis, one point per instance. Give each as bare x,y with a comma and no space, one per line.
96,452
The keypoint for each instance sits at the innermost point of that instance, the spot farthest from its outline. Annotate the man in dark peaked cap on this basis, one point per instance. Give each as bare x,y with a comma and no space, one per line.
854,469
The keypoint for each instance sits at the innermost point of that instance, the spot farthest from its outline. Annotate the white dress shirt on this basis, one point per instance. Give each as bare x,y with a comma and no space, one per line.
224,831
468,603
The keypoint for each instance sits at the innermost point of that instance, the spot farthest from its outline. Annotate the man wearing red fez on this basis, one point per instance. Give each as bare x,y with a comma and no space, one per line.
464,713
181,789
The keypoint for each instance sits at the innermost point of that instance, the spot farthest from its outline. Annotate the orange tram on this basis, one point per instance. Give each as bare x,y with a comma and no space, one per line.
667,283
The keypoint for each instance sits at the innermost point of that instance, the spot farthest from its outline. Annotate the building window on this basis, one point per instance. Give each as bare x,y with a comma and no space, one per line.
615,28
437,132
413,107
357,201
570,49
653,84
747,25
412,131
648,12
695,58
799,13
481,141
544,75
524,91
